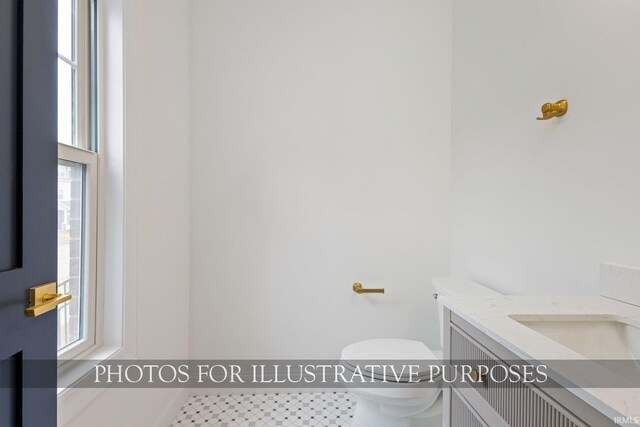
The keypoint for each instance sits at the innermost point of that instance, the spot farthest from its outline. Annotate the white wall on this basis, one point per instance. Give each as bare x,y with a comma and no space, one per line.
320,145
156,254
537,205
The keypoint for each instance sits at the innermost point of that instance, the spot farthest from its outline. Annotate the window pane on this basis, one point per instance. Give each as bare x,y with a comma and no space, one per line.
70,250
66,28
66,104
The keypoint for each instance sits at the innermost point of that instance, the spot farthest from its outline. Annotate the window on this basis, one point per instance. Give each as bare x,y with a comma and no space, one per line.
77,176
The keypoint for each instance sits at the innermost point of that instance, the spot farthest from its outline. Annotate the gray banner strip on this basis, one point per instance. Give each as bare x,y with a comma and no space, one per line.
334,373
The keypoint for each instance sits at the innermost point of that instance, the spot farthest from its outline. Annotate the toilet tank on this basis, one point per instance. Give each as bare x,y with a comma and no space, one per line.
451,286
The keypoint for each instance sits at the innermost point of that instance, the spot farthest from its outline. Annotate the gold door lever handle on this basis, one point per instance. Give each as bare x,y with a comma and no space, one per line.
44,298
556,109
358,289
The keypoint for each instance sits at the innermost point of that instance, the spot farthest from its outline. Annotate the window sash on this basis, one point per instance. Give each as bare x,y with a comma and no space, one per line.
82,65
89,159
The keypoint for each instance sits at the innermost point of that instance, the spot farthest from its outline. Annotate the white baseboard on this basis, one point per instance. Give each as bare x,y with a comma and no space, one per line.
261,390
167,416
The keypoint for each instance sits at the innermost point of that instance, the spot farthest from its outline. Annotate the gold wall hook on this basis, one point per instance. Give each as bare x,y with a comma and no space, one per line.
358,289
551,110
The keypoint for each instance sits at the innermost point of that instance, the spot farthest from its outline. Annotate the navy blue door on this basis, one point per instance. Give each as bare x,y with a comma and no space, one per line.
28,168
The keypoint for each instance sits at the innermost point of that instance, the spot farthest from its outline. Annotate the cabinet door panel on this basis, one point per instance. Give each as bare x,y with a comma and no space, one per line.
462,414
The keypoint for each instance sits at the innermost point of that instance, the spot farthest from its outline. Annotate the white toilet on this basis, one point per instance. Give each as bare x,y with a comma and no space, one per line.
406,405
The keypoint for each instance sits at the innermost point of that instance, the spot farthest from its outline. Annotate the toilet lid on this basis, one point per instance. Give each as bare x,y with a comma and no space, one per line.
387,351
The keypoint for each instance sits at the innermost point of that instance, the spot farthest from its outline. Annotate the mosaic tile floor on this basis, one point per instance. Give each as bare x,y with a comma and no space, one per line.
330,409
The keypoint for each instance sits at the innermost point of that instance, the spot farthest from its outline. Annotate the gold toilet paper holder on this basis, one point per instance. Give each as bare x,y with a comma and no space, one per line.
358,289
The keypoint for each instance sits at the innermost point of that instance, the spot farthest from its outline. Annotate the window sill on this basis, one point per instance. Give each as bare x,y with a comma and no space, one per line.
72,400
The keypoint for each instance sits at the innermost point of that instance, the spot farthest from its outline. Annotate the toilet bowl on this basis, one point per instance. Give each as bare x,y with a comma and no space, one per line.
403,406
413,400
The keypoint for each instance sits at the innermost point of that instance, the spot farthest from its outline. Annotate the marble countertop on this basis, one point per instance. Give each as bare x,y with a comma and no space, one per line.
491,315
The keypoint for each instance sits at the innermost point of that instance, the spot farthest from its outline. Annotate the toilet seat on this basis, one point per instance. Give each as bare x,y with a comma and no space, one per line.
399,377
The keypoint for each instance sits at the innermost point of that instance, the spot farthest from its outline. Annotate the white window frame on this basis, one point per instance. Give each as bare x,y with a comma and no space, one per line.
117,215
81,154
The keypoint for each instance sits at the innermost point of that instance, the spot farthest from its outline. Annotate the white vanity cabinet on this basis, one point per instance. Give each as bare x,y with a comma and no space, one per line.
519,405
